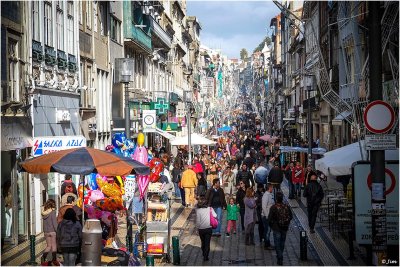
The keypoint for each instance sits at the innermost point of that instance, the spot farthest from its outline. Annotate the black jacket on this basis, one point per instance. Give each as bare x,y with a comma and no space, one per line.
209,197
314,193
240,198
176,175
246,176
275,175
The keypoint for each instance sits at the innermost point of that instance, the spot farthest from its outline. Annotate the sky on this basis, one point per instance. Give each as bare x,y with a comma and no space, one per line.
233,25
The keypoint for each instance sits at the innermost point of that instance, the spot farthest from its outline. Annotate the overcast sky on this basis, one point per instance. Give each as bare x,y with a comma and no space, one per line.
233,25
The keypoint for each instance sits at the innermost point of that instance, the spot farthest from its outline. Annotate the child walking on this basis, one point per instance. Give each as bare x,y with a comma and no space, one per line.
232,217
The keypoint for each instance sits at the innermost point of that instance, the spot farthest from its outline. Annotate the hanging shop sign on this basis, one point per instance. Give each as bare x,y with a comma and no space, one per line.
47,145
149,120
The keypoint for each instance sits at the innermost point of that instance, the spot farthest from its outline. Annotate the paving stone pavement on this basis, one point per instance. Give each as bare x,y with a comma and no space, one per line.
233,251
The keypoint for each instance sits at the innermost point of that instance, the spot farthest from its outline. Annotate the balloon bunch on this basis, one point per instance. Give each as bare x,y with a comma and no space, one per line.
141,155
156,167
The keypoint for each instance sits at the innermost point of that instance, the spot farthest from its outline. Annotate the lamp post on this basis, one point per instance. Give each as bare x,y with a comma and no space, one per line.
309,88
207,113
281,107
124,72
188,99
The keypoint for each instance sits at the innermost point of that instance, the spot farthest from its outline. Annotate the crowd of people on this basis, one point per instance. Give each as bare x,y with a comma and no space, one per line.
240,180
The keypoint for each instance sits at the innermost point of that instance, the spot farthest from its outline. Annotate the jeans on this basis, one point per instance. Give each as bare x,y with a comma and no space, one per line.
69,259
177,191
297,189
242,218
279,239
218,211
231,225
205,237
183,197
267,231
312,211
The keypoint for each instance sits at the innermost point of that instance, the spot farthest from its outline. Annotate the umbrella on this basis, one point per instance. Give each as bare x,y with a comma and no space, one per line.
339,162
83,161
195,139
224,129
316,150
268,138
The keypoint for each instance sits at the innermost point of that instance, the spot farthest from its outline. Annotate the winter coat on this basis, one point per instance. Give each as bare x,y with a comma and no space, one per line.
64,208
240,195
298,175
275,175
189,179
314,193
198,168
69,234
249,211
210,194
176,175
274,216
266,203
49,221
246,176
232,212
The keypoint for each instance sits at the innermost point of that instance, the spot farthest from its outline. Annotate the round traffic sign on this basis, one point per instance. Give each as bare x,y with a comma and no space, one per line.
379,117
392,180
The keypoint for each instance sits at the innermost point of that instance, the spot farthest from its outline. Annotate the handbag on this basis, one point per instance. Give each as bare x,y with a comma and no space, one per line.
213,220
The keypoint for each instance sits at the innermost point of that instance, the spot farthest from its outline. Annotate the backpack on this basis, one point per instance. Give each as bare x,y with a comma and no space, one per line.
284,216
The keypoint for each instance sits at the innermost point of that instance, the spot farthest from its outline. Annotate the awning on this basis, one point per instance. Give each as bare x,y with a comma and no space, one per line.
338,120
165,134
16,133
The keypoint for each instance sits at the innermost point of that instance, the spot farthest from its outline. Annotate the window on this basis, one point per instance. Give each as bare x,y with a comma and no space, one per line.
103,18
70,29
35,21
48,28
13,71
80,12
95,16
89,14
60,29
115,29
70,8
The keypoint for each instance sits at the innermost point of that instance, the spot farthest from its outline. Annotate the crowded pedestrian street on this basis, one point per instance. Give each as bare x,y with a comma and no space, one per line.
200,133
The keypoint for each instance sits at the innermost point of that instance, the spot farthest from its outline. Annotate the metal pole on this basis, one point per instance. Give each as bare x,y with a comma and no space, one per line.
309,128
127,119
189,135
378,198
281,123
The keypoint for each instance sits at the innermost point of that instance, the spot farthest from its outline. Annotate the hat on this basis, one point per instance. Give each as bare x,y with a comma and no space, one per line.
64,199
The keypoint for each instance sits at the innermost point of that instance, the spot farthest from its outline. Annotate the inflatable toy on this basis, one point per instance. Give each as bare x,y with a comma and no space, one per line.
108,189
156,167
140,139
140,155
110,204
91,181
95,195
142,182
118,141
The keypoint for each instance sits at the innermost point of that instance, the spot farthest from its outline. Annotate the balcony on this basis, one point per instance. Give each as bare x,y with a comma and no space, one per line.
160,33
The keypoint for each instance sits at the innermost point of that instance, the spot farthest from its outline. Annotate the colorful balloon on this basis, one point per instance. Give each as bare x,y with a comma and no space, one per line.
108,189
91,180
140,139
95,195
143,182
110,204
140,155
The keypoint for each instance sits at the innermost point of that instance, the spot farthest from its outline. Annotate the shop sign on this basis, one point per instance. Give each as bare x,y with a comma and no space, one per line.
363,209
15,133
47,145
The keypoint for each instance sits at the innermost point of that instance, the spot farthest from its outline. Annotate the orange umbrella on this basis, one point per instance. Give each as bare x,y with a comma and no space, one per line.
83,161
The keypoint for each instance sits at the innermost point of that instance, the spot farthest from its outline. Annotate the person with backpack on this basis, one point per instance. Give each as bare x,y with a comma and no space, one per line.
203,224
68,186
249,216
279,218
69,237
314,194
50,229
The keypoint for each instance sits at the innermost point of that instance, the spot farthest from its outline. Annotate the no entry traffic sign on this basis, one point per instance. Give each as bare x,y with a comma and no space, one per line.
379,117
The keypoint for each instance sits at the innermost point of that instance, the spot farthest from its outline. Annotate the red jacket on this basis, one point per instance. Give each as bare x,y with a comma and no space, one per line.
198,168
297,175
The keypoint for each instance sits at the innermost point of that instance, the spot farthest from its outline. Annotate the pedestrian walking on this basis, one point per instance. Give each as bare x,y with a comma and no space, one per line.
203,224
201,189
279,218
228,180
288,173
266,204
314,194
258,196
232,216
298,179
68,186
50,229
275,177
216,199
69,204
189,183
69,237
245,175
249,216
176,179
240,195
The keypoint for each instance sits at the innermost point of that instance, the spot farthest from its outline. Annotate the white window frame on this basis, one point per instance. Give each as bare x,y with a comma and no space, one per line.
35,20
89,14
13,70
48,26
95,16
70,33
60,29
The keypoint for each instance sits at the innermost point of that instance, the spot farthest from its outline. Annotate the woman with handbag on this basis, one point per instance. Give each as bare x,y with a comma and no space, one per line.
205,222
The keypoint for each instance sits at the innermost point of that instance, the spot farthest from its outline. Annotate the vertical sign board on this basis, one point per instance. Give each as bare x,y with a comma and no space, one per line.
149,121
362,186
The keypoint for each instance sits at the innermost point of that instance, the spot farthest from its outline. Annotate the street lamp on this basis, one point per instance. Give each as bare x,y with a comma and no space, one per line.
309,88
188,101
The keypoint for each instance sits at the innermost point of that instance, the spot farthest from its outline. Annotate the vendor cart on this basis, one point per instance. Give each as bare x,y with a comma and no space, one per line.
158,222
